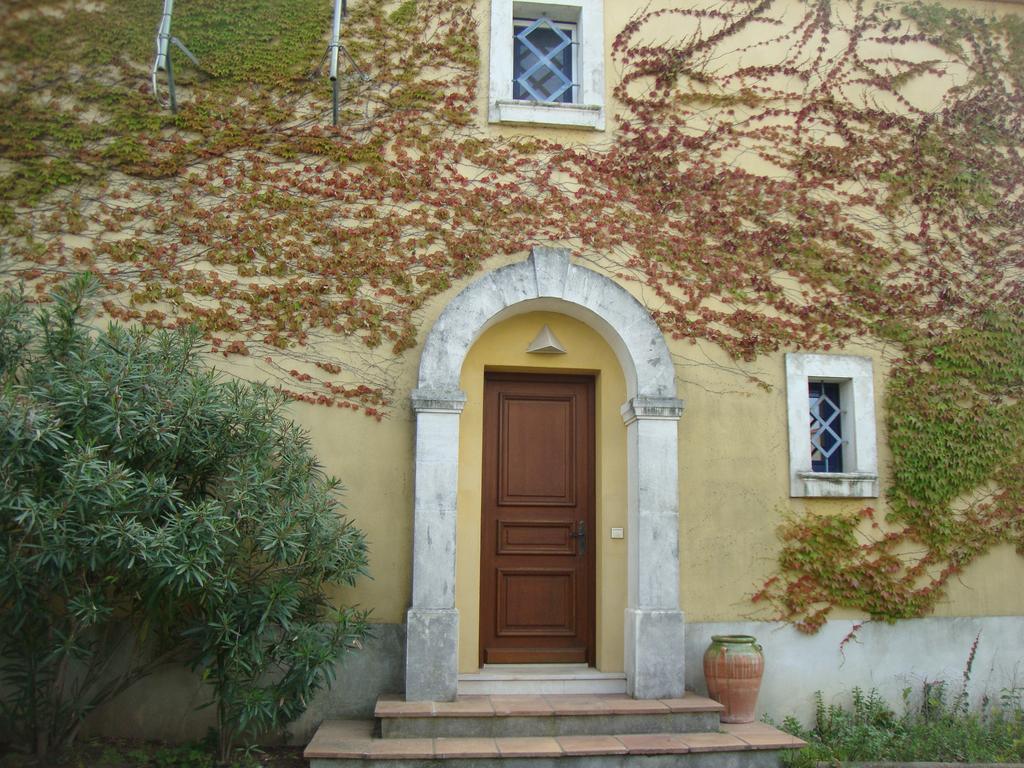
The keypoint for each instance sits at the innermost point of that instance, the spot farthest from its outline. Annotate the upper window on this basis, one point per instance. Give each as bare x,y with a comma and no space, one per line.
547,63
543,61
831,405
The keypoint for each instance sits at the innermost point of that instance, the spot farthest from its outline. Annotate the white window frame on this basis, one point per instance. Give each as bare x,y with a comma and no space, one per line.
855,376
587,110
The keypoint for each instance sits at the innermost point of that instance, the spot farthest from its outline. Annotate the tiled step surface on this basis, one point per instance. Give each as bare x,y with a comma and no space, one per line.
547,716
344,744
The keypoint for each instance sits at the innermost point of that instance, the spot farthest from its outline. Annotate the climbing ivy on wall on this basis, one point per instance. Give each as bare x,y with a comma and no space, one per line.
784,175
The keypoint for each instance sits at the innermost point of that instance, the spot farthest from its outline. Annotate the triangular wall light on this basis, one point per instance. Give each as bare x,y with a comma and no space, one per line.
546,343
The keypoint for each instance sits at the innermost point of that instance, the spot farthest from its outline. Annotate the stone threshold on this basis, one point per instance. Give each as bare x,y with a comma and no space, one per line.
353,739
511,679
554,705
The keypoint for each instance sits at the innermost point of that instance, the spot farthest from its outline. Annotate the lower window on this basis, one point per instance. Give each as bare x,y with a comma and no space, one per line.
831,412
826,426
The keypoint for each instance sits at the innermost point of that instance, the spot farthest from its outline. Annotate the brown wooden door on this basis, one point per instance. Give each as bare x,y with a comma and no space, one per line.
537,553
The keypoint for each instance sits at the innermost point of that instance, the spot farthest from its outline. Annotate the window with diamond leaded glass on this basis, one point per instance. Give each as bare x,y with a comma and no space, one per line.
546,63
543,61
826,426
830,407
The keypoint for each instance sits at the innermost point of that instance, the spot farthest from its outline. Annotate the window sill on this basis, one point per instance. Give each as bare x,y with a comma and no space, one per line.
850,485
585,116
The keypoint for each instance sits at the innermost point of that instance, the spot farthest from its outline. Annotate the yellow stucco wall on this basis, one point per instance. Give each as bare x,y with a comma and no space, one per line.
374,462
748,48
733,477
733,457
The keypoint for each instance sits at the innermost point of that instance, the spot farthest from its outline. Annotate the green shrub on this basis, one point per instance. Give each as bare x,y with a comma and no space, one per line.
934,729
151,511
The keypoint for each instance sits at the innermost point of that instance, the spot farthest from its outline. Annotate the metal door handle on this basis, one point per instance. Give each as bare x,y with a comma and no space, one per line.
581,537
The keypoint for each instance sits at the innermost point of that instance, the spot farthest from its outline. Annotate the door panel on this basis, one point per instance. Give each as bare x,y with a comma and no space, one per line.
536,602
537,457
537,574
536,538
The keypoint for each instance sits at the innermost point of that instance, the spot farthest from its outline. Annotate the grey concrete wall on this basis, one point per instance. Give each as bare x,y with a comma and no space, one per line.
167,706
363,676
888,657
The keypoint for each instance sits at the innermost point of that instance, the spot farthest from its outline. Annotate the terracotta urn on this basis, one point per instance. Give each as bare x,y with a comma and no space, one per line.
733,665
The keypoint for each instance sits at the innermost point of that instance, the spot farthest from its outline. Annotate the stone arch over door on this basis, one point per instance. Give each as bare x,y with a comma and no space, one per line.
653,623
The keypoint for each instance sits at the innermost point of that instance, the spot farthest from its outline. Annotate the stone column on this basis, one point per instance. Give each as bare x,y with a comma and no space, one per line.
653,622
432,622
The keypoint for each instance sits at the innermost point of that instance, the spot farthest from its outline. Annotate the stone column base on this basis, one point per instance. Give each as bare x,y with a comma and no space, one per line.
655,666
432,654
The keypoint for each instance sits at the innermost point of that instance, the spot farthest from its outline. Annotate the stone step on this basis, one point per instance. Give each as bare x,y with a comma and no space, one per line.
512,679
548,715
350,744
